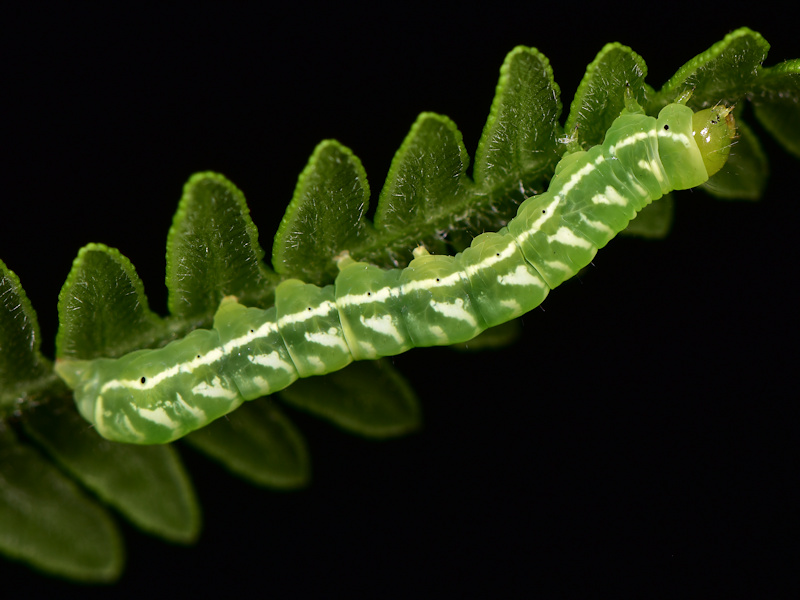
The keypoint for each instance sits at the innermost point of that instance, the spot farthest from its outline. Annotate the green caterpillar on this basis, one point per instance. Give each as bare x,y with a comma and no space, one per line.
156,396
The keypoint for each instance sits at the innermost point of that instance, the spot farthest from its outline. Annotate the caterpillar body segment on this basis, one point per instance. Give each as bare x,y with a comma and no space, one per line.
155,396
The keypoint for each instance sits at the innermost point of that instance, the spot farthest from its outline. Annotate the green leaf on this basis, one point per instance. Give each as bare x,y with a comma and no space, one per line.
723,73
24,372
776,103
427,177
369,398
257,442
212,249
744,176
102,307
325,216
518,148
48,522
147,484
601,94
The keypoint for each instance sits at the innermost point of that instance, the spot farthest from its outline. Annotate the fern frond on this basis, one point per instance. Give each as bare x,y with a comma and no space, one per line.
432,196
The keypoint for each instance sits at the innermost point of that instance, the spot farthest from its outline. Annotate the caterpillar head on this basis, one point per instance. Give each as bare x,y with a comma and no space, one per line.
693,146
713,130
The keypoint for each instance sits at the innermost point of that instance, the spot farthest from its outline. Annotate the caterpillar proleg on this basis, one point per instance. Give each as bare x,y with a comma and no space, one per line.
156,396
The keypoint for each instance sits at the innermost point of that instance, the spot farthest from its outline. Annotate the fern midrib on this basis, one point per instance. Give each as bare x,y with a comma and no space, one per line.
476,211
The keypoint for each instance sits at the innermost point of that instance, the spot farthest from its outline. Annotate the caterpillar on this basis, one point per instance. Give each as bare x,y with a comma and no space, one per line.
158,395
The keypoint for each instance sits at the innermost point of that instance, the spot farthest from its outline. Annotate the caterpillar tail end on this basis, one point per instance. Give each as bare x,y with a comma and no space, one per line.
71,371
81,378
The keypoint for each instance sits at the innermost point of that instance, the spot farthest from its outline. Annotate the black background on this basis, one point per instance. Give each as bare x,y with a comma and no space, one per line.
639,437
